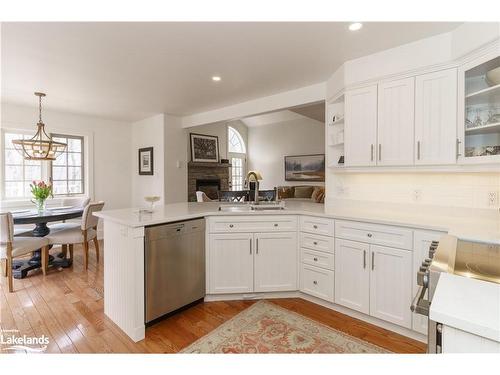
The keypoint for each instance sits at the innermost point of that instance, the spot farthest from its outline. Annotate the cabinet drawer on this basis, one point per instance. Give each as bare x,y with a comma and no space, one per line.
317,258
317,282
375,233
263,223
317,225
316,242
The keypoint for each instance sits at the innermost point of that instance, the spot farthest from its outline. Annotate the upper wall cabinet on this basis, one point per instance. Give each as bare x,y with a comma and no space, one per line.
436,118
361,127
479,98
396,106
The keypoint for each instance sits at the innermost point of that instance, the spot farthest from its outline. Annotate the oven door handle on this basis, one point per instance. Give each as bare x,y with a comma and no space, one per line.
420,305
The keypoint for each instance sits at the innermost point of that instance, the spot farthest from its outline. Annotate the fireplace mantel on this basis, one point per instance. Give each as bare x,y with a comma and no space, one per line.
197,164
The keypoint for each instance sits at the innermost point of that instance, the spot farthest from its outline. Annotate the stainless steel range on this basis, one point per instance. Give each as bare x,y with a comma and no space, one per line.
464,258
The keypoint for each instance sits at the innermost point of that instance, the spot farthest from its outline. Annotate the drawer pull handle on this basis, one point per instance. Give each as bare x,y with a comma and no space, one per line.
370,235
315,243
315,282
315,226
275,224
315,259
231,225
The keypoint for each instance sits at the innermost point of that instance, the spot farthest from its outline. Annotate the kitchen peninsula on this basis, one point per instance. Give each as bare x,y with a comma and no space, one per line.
316,246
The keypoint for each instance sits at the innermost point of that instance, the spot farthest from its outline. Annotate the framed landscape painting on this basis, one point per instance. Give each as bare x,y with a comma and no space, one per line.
204,148
305,168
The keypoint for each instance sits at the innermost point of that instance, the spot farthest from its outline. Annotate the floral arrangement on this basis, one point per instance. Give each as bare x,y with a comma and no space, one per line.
41,191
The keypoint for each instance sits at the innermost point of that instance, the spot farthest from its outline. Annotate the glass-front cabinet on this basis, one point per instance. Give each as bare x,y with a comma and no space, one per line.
480,92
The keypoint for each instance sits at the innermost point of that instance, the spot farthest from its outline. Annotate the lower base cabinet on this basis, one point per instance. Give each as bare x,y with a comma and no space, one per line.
352,279
317,282
391,285
252,262
231,263
374,280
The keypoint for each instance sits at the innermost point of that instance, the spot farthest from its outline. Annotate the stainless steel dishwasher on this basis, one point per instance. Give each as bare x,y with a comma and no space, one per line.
174,266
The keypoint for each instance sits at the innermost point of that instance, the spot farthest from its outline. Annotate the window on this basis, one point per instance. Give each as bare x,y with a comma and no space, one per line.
18,173
237,155
235,142
67,169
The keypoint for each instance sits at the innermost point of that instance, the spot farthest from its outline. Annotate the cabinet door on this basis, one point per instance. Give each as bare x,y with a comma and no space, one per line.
436,118
352,277
422,242
396,116
231,263
276,262
391,284
360,121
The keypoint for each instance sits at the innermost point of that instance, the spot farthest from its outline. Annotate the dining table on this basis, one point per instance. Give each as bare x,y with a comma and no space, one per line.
21,267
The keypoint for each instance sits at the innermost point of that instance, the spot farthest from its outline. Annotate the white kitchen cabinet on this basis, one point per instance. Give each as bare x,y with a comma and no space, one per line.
352,275
231,263
276,259
391,285
317,282
396,119
436,117
360,135
422,242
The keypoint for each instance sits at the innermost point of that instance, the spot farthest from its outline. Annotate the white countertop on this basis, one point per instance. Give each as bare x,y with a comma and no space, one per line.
466,225
467,304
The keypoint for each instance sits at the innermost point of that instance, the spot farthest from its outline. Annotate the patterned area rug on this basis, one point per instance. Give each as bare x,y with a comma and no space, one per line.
267,328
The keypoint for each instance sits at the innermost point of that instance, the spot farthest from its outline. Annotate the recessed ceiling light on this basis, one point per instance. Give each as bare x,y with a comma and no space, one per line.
355,26
216,78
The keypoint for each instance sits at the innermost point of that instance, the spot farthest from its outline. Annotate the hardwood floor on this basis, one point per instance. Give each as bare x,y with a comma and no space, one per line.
67,307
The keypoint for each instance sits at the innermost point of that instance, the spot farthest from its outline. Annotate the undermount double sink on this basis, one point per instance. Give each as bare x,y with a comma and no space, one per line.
247,207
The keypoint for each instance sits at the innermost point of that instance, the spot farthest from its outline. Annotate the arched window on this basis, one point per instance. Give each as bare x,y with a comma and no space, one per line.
235,141
236,151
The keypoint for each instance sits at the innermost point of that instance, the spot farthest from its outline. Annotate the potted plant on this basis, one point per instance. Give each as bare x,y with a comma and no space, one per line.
41,191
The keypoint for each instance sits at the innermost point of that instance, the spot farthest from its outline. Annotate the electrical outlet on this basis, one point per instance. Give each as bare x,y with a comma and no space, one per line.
417,195
492,198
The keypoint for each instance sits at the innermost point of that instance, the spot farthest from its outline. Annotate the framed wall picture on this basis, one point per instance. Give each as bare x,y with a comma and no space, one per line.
146,161
305,168
204,148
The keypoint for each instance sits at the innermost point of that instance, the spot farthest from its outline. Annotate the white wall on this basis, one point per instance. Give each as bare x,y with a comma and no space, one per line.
468,190
175,160
147,133
110,160
267,146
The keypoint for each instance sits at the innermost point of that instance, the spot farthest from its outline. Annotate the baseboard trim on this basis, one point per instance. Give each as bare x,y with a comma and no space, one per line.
332,306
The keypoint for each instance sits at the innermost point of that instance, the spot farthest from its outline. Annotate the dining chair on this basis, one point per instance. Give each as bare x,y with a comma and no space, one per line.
233,195
12,247
69,234
75,202
202,197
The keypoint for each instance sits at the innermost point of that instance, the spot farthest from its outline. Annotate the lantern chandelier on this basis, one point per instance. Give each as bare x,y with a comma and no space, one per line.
41,146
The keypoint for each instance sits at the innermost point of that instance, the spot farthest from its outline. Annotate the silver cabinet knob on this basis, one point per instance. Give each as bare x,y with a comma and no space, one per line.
231,225
315,243
275,224
315,259
315,226
370,235
315,282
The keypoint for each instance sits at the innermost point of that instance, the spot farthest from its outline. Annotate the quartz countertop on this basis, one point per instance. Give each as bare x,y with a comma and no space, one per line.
467,224
467,304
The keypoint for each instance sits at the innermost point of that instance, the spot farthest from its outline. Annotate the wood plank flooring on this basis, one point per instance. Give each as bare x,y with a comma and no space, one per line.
67,306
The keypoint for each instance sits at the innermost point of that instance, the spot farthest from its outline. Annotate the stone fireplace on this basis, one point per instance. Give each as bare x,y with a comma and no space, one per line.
207,177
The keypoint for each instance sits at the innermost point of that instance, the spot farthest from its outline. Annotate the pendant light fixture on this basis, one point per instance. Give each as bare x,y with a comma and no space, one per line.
41,146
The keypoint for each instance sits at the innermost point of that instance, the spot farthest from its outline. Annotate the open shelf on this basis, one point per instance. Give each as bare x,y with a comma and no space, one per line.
484,129
336,144
337,122
487,95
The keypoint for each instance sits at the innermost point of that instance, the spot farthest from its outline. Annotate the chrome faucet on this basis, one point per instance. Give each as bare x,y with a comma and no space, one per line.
256,178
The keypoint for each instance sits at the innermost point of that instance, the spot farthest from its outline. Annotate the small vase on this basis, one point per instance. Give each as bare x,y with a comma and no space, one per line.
40,205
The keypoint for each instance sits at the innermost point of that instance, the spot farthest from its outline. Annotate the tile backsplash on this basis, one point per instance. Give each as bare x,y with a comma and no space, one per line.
470,190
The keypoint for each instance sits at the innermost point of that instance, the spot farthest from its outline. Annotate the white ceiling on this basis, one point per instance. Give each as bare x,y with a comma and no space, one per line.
311,112
129,71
